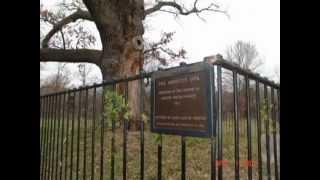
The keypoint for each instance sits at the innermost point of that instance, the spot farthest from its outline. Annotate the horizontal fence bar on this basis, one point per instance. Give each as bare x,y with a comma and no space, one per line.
236,68
105,83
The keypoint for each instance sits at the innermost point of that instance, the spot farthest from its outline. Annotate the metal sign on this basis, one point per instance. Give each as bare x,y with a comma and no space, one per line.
182,101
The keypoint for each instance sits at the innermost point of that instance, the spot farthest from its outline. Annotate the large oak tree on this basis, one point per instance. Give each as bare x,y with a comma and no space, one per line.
120,26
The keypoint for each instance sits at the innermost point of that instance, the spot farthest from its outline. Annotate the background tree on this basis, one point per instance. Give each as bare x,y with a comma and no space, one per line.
58,81
157,54
120,26
245,54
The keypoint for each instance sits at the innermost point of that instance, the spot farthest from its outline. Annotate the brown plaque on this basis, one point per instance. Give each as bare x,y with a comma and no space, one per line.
181,103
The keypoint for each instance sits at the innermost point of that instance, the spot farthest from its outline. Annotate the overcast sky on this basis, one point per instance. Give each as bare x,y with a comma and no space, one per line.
257,21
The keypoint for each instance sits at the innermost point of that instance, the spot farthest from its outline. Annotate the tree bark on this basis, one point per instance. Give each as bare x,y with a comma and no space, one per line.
123,64
120,27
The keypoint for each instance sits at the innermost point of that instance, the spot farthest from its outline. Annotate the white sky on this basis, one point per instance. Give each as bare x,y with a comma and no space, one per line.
257,21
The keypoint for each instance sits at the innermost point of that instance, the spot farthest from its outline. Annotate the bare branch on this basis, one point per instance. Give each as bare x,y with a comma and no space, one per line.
80,14
157,51
181,10
171,12
72,56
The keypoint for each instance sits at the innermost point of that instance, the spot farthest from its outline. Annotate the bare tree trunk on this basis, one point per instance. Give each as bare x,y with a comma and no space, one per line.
126,63
131,64
131,61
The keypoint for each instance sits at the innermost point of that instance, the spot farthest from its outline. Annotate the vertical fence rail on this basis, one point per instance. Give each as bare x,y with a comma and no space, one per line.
72,133
125,128
41,129
183,158
249,150
78,135
51,164
48,137
141,129
274,132
58,136
44,173
62,135
93,134
54,137
112,143
51,137
102,133
85,135
219,123
278,115
67,138
159,148
42,118
259,129
266,97
236,123
214,125
44,127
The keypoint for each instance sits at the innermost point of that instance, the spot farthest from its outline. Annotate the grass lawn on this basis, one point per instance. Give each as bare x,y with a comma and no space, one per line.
197,153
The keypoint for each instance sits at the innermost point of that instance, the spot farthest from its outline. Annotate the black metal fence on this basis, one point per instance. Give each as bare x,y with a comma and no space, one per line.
77,142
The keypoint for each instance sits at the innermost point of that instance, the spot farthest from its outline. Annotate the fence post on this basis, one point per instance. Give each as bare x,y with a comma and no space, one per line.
219,123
